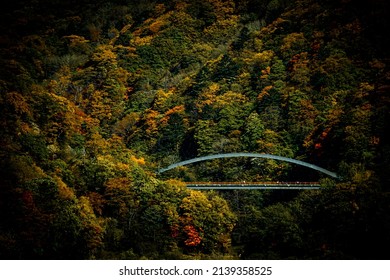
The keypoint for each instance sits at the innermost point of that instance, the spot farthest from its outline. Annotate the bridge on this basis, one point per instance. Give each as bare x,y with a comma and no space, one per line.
252,185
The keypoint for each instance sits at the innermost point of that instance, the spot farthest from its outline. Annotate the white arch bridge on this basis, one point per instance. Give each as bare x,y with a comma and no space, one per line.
251,185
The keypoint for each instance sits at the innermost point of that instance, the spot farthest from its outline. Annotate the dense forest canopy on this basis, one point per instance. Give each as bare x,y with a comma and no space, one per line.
96,96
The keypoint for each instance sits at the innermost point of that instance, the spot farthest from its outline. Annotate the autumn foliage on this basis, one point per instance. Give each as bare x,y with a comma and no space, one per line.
96,97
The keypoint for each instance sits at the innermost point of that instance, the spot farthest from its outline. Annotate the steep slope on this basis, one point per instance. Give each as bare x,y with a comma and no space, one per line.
97,95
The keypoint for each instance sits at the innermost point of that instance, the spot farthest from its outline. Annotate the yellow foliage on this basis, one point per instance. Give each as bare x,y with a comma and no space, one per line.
61,84
222,8
362,176
97,143
264,57
92,226
364,89
125,28
107,161
142,41
214,87
230,98
212,90
85,207
120,166
36,41
176,183
291,39
104,53
159,9
100,109
161,98
91,122
129,52
257,44
203,48
181,6
268,144
196,201
26,169
223,28
208,96
64,191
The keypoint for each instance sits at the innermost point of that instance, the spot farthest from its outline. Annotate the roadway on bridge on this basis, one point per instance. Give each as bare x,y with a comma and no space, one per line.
253,185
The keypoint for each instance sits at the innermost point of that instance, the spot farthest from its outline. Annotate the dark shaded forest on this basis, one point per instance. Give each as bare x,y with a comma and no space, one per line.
96,96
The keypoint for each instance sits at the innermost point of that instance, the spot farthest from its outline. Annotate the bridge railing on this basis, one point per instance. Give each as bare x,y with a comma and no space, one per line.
252,183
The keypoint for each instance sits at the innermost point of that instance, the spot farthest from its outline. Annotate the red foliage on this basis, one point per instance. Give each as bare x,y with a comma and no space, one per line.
175,231
28,200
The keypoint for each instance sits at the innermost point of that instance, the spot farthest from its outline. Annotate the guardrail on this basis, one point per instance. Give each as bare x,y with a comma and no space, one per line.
252,185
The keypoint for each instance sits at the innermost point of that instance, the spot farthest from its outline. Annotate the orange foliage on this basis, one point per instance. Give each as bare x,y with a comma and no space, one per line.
264,92
265,72
271,28
175,110
127,123
118,185
156,26
150,121
193,237
140,160
375,140
97,202
315,46
77,42
18,103
354,27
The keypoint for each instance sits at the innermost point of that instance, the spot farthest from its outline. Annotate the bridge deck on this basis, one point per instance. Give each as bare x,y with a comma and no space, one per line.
253,185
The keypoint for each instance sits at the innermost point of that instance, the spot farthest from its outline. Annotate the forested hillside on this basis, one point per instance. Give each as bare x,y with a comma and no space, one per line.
96,96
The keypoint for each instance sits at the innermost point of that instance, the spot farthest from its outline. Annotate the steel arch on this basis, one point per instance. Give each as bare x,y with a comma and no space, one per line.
253,155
